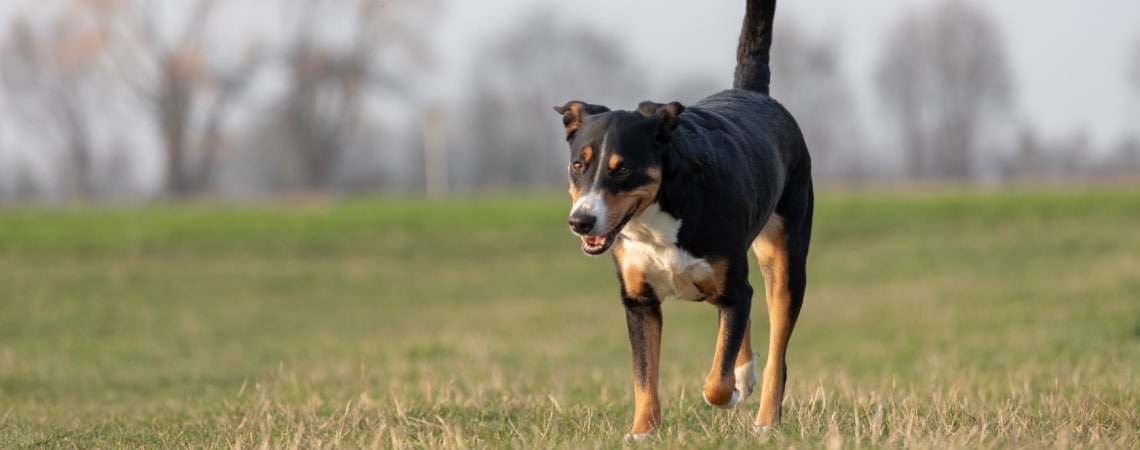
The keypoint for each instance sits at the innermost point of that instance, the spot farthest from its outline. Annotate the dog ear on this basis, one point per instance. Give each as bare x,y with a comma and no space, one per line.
574,112
667,116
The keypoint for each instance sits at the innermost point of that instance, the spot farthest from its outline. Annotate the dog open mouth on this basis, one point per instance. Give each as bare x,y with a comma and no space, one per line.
596,245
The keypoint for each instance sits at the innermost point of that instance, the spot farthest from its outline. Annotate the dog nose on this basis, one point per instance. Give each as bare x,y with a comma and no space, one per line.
582,223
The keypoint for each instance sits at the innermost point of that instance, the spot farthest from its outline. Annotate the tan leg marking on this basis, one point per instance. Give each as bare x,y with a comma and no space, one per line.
632,277
647,405
644,322
744,356
720,385
713,286
770,248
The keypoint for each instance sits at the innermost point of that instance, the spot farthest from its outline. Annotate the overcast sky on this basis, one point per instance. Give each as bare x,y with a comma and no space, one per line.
1068,57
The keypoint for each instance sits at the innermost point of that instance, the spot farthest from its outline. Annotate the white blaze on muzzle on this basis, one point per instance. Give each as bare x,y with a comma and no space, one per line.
591,204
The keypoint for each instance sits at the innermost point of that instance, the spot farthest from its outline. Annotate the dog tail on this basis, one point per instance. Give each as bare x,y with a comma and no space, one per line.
752,72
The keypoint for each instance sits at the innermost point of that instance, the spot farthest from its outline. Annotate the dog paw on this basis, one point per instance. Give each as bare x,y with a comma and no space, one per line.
630,437
765,430
746,377
731,403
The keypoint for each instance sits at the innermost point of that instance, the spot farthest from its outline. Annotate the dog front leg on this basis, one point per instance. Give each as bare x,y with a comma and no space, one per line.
643,317
733,309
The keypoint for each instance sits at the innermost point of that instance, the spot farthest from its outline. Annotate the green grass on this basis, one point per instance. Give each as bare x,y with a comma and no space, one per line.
934,319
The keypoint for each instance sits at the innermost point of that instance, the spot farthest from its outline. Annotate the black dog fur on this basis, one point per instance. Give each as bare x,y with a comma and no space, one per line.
725,175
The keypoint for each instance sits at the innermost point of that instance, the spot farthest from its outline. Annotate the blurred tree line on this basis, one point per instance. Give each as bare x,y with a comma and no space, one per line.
114,99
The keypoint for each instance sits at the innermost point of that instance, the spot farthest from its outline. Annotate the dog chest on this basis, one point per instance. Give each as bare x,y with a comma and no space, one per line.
650,248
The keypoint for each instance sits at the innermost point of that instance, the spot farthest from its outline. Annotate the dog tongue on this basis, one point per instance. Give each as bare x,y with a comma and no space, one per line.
594,241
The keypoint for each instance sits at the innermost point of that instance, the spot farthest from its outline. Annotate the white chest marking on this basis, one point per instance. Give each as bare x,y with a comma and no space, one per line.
650,244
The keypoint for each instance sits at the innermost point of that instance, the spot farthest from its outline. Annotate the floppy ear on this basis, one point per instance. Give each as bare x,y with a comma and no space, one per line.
667,117
574,112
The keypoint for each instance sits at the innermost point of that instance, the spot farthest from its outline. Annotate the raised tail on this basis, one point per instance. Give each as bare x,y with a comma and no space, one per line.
752,72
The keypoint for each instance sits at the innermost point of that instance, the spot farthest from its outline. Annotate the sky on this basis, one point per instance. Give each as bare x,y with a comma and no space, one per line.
1068,58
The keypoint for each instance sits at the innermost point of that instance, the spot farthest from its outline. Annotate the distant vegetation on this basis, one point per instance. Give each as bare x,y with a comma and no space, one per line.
133,100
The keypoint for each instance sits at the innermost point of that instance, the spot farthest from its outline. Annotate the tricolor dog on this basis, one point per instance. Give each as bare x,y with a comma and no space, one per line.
682,195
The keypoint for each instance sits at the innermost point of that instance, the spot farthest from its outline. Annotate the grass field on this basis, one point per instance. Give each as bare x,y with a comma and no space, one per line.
937,319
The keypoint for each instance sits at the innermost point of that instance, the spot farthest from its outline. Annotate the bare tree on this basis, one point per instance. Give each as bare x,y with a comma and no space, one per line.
537,64
1134,66
58,90
1126,157
943,75
180,79
809,80
332,75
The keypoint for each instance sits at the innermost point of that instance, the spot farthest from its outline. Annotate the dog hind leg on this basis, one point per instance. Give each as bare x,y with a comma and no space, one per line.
782,251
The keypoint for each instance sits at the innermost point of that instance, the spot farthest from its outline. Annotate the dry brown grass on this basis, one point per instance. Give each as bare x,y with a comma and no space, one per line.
954,320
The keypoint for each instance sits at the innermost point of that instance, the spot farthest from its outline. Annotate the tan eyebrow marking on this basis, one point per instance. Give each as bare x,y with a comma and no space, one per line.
586,153
615,161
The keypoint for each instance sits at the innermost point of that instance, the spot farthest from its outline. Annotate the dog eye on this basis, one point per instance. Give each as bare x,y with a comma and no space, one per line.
577,166
623,170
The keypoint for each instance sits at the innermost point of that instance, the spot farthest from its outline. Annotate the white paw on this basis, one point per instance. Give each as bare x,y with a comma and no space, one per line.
731,403
746,377
764,431
638,437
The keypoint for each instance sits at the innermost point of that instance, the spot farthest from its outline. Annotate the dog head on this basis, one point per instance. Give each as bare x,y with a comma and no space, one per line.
615,165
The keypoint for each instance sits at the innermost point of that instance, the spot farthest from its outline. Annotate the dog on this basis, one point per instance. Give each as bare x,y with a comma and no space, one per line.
681,194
